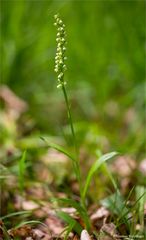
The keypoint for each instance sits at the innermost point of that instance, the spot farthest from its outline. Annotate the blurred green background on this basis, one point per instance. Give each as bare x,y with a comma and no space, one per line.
106,66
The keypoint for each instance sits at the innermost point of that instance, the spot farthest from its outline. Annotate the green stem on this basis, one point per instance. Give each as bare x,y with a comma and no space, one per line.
76,163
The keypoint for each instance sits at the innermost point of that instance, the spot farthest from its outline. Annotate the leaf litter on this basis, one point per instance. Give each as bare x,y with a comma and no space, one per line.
51,171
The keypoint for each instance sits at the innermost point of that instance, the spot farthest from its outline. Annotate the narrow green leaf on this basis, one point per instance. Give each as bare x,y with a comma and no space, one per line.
58,148
5,232
94,168
141,191
111,177
125,204
69,229
116,204
15,214
31,222
82,212
134,205
125,215
74,161
69,220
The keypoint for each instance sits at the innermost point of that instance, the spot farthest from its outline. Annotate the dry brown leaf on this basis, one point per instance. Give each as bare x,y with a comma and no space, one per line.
85,235
55,225
11,100
125,184
53,156
21,203
13,104
76,237
42,232
102,212
70,210
110,230
29,205
22,232
142,167
58,165
38,191
43,173
124,166
39,234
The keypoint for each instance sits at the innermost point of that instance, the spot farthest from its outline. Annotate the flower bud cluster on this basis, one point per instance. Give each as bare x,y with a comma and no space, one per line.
60,66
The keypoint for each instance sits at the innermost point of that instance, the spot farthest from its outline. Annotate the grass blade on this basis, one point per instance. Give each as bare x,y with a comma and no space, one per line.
111,177
70,221
74,161
94,168
5,232
141,191
134,205
15,214
32,222
82,212
70,227
58,148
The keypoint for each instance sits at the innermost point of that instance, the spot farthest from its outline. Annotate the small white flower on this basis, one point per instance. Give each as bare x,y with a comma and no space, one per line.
58,48
56,16
59,85
64,67
60,75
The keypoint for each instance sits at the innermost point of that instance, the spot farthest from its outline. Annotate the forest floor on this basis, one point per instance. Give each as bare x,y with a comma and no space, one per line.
39,189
